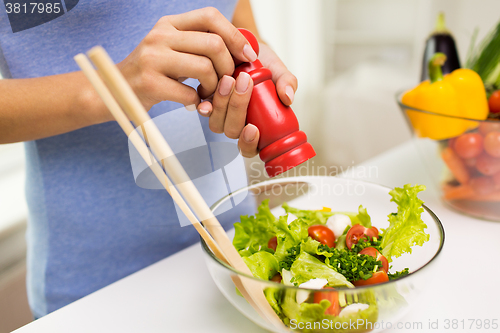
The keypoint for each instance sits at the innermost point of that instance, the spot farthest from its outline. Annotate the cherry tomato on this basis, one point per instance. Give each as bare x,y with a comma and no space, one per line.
322,234
377,277
469,145
494,102
372,232
488,165
482,185
486,127
357,232
492,143
451,143
470,162
332,297
371,251
496,179
273,243
276,278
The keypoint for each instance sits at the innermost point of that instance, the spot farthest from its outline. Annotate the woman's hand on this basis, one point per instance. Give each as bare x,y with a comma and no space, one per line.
197,44
227,109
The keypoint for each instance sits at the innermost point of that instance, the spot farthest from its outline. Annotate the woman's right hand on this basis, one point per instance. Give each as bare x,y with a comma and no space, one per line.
199,44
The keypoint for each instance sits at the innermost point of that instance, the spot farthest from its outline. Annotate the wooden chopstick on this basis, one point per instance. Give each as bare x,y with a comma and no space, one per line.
120,89
142,148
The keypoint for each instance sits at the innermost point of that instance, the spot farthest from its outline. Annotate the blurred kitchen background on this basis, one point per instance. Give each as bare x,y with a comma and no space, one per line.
350,57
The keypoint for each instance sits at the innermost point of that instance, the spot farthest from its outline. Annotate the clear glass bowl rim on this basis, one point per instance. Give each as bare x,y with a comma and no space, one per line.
301,179
399,96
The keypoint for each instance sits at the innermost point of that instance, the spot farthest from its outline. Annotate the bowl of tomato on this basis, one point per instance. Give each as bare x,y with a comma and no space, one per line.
464,165
330,254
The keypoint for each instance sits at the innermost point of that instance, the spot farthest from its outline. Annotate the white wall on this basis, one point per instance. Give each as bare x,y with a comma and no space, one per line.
351,56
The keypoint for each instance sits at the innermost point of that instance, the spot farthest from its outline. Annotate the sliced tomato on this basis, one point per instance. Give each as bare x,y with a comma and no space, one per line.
331,296
357,232
276,278
371,251
377,277
322,234
372,232
273,243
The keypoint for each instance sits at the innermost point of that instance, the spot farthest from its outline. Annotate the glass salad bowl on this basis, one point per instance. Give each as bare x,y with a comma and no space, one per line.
462,157
378,306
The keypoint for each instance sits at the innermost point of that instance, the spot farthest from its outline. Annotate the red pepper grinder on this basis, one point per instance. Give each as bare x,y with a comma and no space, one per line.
282,146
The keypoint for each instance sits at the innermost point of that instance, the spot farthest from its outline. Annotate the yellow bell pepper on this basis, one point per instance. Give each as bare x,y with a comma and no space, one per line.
458,94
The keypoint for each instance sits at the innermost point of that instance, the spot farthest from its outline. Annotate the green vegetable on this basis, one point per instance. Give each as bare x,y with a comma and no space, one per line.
350,264
307,267
289,236
341,242
311,316
406,227
262,265
310,216
485,59
253,233
361,217
399,274
292,254
273,296
365,242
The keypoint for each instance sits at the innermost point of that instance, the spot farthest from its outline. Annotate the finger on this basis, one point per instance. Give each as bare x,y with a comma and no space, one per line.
205,44
162,88
219,104
286,83
211,20
237,107
193,66
205,108
249,140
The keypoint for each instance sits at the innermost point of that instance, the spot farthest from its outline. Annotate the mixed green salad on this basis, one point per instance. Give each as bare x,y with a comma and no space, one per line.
321,249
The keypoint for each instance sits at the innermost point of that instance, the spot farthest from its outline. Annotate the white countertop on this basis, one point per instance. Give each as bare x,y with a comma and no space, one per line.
177,294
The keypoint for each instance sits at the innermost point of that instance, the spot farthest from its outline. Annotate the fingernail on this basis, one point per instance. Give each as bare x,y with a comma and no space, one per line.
250,133
289,92
249,53
204,112
190,107
242,82
226,84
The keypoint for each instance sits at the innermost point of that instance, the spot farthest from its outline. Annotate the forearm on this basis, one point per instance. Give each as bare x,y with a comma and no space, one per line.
41,107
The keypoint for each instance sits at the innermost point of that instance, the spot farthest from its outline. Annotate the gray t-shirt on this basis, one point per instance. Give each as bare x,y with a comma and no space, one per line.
89,223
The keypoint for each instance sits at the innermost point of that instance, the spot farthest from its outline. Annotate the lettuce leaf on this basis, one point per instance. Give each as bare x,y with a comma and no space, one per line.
406,227
262,265
361,217
307,267
273,296
253,233
310,216
289,235
312,318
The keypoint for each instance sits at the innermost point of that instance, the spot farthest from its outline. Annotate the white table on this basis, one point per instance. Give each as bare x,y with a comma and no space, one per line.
177,294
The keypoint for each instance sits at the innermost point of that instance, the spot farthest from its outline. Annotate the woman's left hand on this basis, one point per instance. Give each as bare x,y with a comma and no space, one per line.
227,108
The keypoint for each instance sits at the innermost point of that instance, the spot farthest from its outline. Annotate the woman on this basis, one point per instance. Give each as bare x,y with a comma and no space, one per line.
89,223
